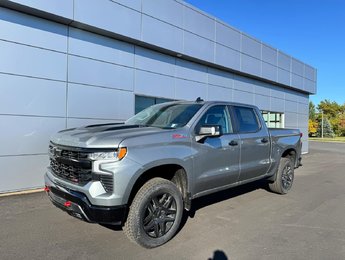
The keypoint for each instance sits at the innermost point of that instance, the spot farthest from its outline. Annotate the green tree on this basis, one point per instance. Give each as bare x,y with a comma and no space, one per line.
327,129
330,108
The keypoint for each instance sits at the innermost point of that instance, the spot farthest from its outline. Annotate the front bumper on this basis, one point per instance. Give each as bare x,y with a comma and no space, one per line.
76,204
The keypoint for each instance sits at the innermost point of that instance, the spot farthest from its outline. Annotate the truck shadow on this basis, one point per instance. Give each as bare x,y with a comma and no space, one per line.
220,196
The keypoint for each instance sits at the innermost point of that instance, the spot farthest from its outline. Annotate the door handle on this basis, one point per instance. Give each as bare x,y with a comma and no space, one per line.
264,140
233,143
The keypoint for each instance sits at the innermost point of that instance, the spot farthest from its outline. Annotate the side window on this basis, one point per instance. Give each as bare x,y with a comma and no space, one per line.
216,115
247,119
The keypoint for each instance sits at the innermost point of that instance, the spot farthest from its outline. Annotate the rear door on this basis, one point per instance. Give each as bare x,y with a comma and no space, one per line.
255,143
216,159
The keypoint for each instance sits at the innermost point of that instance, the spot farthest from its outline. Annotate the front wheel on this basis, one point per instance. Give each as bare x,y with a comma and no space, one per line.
284,177
155,214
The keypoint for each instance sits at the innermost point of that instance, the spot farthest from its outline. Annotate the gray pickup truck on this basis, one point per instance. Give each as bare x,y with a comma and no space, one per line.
143,173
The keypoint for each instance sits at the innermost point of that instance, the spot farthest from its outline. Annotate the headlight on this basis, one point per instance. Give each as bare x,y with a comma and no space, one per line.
111,156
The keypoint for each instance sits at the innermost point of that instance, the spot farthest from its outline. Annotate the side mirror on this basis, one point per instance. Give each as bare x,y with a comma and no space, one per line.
210,130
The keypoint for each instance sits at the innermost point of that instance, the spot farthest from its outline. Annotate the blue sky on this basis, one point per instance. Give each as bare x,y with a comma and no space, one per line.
312,31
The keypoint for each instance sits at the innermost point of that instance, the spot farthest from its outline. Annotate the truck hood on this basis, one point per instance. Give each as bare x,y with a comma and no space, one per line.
101,136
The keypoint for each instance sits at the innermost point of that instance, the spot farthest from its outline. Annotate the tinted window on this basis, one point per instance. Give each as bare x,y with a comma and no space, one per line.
247,119
217,115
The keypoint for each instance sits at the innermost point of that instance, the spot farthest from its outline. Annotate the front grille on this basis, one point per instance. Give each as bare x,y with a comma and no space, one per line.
73,165
71,173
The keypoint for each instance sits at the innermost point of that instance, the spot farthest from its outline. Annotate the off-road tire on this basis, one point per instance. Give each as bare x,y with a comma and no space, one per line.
284,177
154,204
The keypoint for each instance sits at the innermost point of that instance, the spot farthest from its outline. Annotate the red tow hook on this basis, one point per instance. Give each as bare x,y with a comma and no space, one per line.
46,188
67,204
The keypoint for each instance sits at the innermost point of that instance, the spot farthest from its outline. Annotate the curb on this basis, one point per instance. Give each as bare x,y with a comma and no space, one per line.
24,192
332,142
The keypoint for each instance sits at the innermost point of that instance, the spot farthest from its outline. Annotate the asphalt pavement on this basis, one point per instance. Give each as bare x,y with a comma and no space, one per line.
246,222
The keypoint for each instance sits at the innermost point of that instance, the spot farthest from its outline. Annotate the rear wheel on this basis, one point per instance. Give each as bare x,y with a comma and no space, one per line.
284,177
155,214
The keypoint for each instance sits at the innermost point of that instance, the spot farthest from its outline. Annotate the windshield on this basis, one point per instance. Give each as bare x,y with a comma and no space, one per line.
165,115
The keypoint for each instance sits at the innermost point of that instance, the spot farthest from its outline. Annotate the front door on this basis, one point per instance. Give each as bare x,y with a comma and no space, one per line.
216,159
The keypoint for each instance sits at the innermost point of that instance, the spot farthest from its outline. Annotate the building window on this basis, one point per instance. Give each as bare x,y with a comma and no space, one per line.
273,119
142,102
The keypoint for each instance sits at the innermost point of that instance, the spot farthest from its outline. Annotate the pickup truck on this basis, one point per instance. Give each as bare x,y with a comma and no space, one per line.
142,174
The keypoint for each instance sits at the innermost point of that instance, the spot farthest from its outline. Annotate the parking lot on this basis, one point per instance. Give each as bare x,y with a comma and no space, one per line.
246,222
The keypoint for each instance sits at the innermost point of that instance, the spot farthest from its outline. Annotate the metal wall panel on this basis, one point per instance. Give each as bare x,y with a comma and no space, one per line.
277,92
291,106
189,90
269,71
284,61
297,81
205,50
227,57
251,46
303,98
291,120
63,8
106,103
309,73
269,54
154,61
198,23
303,120
167,11
33,62
228,36
30,30
303,108
191,70
219,93
148,83
15,175
98,73
290,95
220,78
297,67
169,36
262,102
244,84
26,134
277,105
100,14
243,97
262,88
250,65
134,4
30,96
94,46
283,76
309,85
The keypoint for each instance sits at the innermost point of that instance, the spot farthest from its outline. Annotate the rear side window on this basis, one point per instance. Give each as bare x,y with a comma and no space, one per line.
247,119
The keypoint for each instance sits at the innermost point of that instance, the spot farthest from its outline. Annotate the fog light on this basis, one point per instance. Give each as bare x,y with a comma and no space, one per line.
67,204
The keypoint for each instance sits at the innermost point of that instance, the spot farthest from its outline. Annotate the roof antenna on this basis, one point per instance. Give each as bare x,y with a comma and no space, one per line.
199,99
